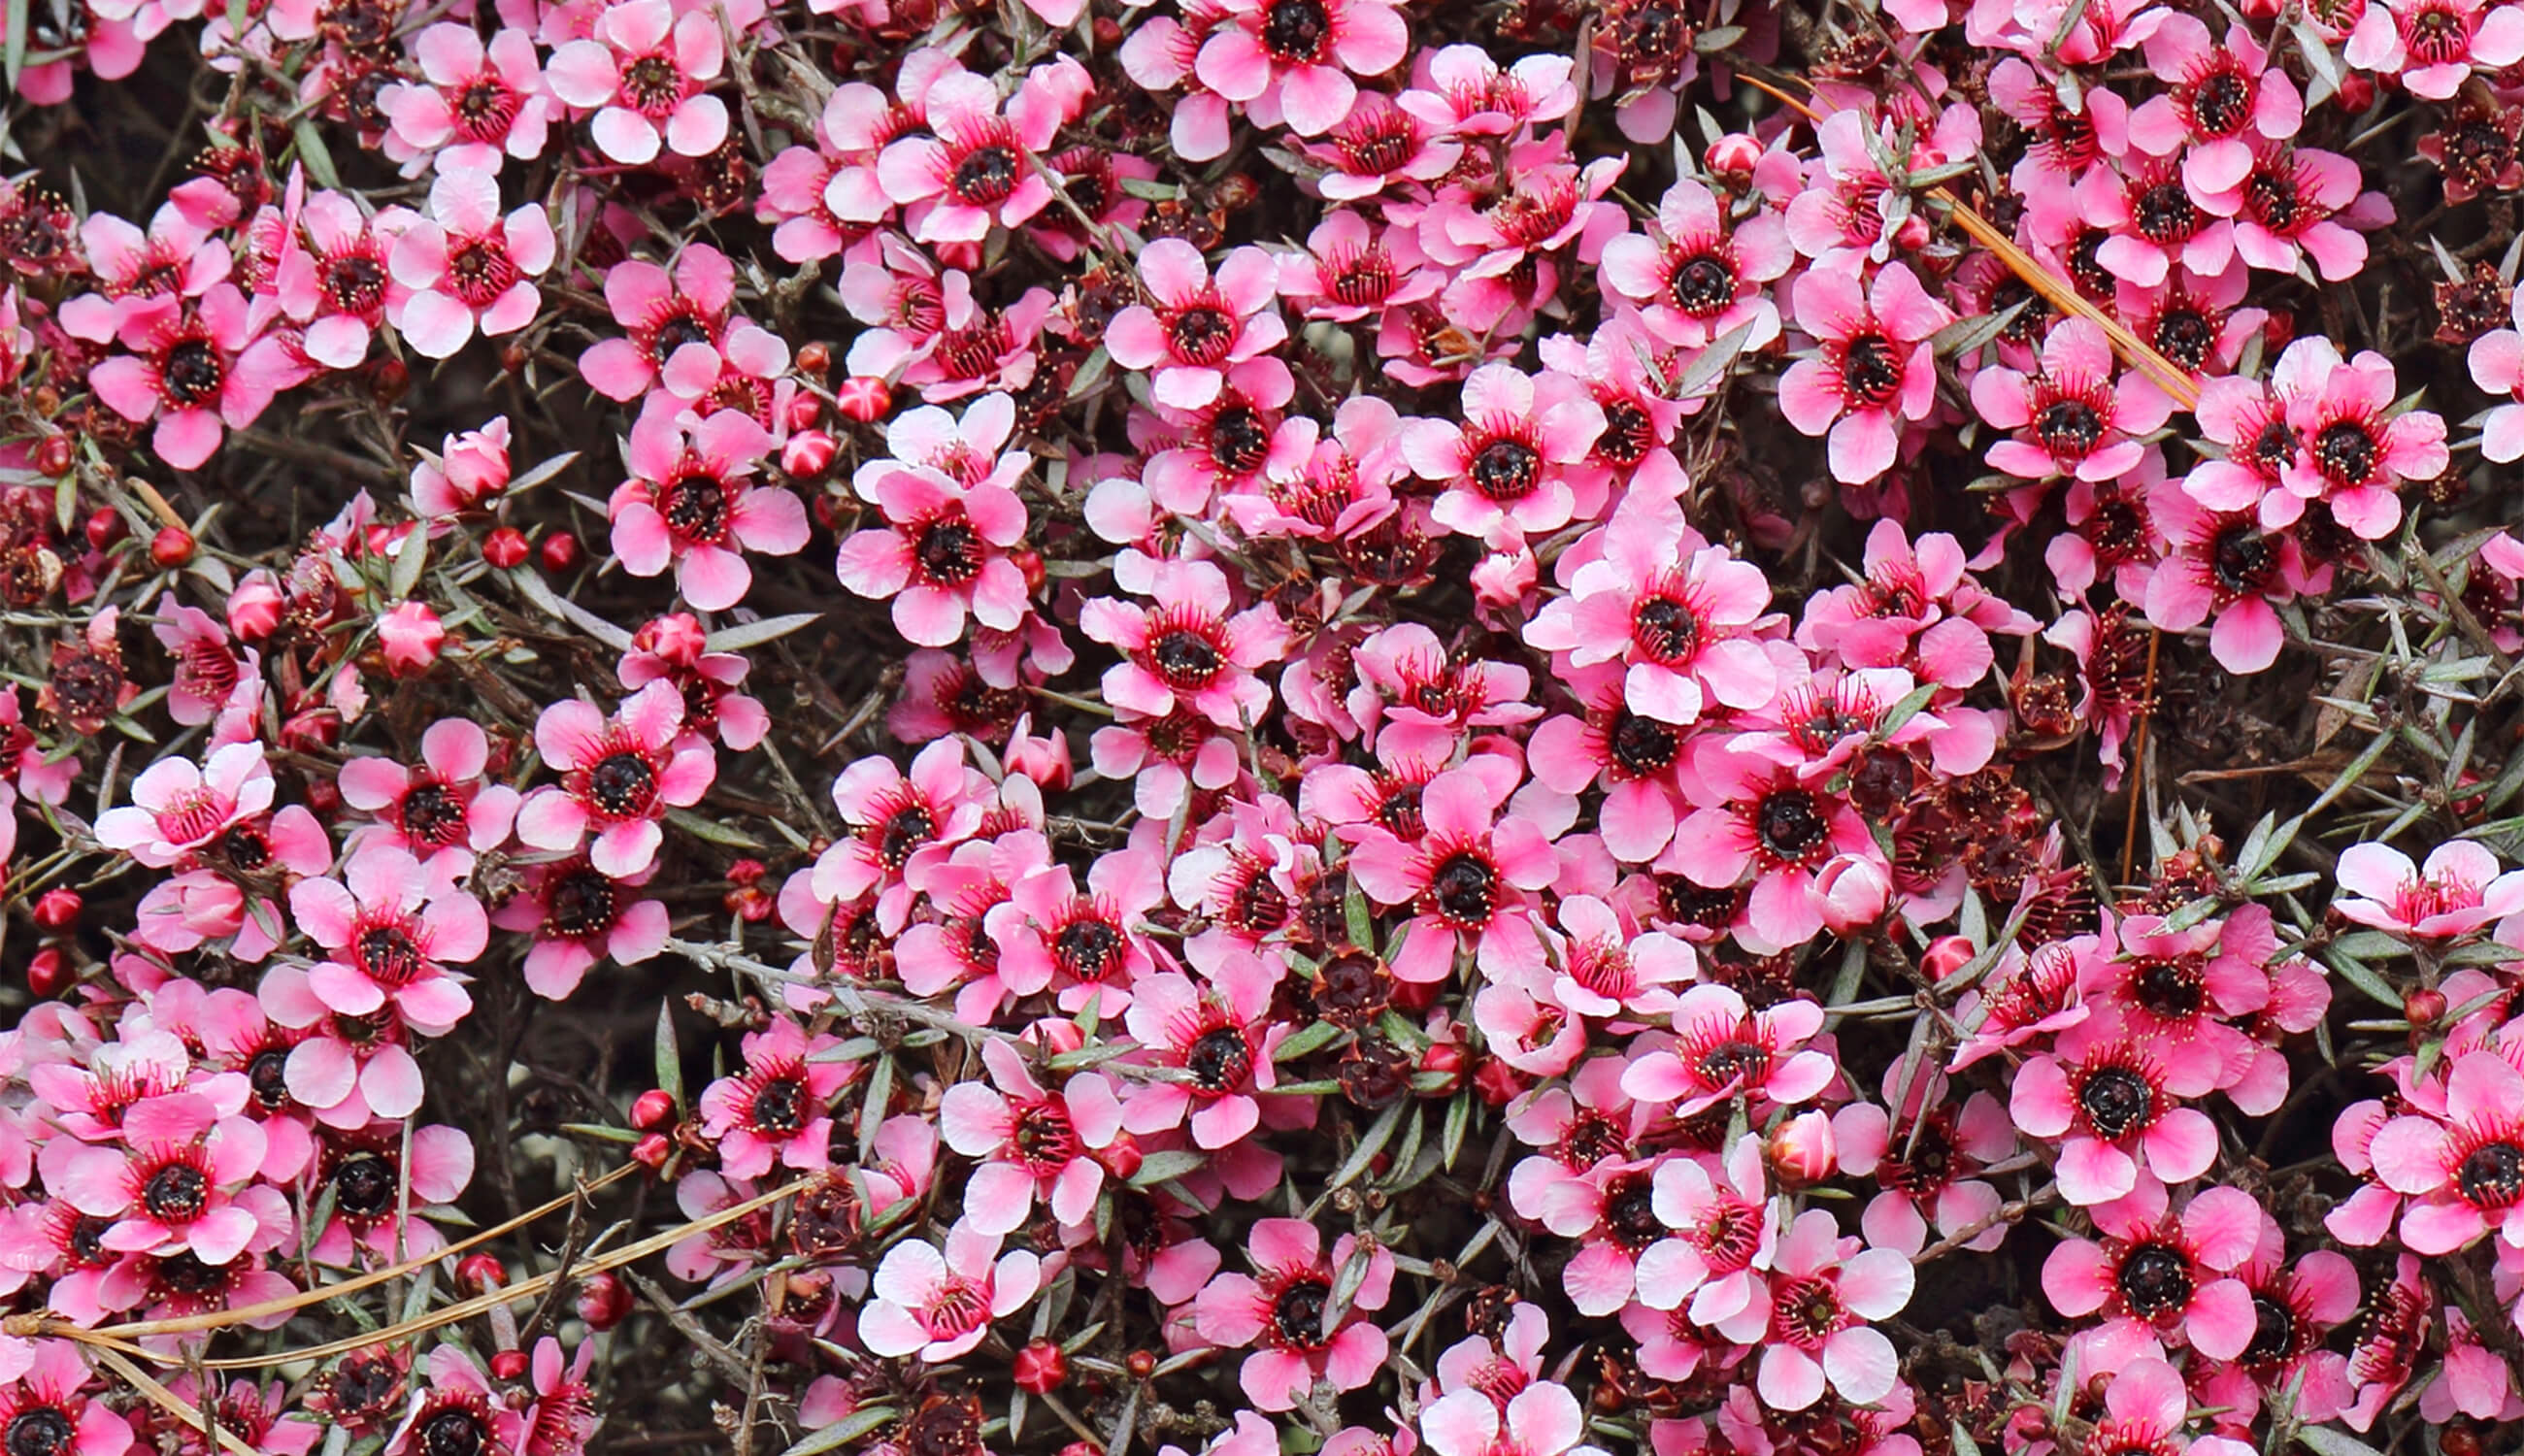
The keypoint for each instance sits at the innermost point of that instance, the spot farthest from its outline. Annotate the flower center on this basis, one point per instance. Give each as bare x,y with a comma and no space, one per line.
1630,1213
2491,1175
2155,1279
1295,30
481,272
1089,949
387,953
1639,746
905,830
1297,1315
653,85
621,783
1733,1063
1807,1310
1218,1060
1870,373
1790,824
2273,200
1666,629
580,904
1703,285
2273,1331
364,1186
40,1432
2068,427
1465,889
987,177
2243,559
431,815
1238,443
1629,433
1201,334
192,373
2183,335
948,551
2173,988
779,1105
2347,452
2438,35
2165,214
2116,1101
455,1433
356,282
267,1075
695,507
1043,1136
175,1193
1506,470
1185,658
2221,103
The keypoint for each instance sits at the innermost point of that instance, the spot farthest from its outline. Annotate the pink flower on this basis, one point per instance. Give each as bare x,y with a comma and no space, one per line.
2460,889
1873,369
1722,1048
580,915
467,265
472,104
177,806
1378,146
980,167
333,275
2285,210
1701,279
1187,652
779,1109
2218,94
618,778
1222,1035
2156,1276
1506,464
689,501
216,680
2146,1407
1282,1308
681,334
2355,453
1467,874
410,634
391,927
1294,59
1823,1286
2112,1109
1032,1143
1541,1419
2222,565
942,554
1676,610
180,1183
649,71
197,369
1925,1164
904,826
1758,818
49,1397
939,1306
2433,45
2464,1175
441,808
2073,418
1919,609
1194,329
1725,1235
1608,967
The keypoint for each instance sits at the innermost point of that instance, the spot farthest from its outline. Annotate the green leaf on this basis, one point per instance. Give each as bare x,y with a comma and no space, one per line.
2322,1440
1966,336
1160,1167
541,473
842,1432
1711,363
707,829
670,1056
1358,919
1304,1039
1369,1146
738,638
1459,1121
315,154
16,56
411,557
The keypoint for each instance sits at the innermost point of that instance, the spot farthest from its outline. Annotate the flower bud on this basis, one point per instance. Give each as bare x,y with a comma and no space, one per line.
1121,1157
806,412
255,607
560,551
1141,1364
170,547
676,637
313,728
103,527
1855,891
1733,157
47,973
1497,1083
53,458
1945,956
651,1152
1912,235
2423,1008
1447,1059
1041,1367
808,454
509,1364
1042,757
864,398
1802,1148
2356,92
604,1300
390,380
58,907
478,1273
506,547
651,1111
412,636
814,358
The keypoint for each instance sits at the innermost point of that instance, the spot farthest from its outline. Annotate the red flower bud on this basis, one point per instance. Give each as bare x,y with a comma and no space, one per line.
1446,1058
325,796
604,1300
389,381
314,728
651,1111
2423,1008
509,1364
1121,1157
651,1152
1086,1448
559,551
676,637
1041,1367
864,398
1802,1148
808,454
1029,564
58,907
478,1273
806,412
1733,157
103,527
1497,1083
1945,956
1141,1364
47,973
814,358
2356,92
170,547
53,458
1912,235
506,547
255,608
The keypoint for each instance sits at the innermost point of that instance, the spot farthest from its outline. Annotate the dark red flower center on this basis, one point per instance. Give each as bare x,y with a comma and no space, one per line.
2154,1279
1871,371
1507,469
1218,1060
1295,31
987,176
175,1193
621,783
2491,1175
1297,1315
2116,1101
2347,452
1465,890
193,372
1790,823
